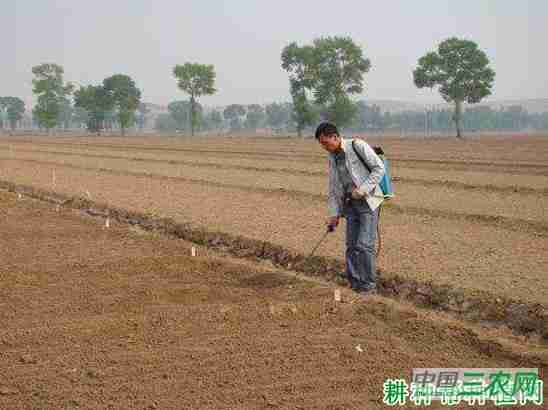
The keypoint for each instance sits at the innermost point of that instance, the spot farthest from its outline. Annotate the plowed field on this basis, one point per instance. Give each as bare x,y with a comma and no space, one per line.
117,318
470,215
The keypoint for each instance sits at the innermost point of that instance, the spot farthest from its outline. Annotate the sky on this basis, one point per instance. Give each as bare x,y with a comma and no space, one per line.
244,39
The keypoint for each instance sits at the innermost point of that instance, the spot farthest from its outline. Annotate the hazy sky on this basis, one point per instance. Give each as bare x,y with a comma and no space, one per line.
243,39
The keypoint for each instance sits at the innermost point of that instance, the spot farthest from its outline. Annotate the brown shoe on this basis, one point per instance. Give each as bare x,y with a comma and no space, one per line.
366,291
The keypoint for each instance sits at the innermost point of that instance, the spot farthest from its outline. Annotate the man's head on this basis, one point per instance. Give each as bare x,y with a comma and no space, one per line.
328,135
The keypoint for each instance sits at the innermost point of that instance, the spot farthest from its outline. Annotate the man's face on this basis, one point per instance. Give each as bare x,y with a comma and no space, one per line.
331,142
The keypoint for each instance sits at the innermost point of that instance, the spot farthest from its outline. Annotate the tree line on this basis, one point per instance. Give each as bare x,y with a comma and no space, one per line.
324,78
276,116
113,102
479,118
368,118
330,71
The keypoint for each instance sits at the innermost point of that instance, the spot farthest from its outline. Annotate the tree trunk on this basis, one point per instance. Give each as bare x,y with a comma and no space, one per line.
192,114
458,116
299,130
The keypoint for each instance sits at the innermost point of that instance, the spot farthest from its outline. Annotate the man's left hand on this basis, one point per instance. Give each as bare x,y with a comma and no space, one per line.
357,194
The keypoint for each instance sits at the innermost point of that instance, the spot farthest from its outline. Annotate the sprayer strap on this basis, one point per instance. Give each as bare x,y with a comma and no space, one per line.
360,157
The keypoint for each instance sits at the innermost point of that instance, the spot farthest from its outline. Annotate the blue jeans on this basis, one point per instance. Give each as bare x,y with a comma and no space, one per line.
361,235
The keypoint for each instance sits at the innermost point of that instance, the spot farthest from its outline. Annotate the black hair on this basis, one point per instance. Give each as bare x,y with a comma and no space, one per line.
326,128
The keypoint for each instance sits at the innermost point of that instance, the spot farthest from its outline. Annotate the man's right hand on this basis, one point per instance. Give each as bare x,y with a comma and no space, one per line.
332,223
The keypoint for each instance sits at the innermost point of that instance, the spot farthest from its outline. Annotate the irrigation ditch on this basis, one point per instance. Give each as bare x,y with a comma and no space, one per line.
522,317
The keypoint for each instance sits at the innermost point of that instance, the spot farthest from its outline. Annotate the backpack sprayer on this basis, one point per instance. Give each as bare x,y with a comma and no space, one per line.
386,187
385,184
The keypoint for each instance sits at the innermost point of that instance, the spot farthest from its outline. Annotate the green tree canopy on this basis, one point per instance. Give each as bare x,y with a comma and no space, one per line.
180,112
143,111
332,71
2,108
48,85
15,108
165,122
255,116
124,96
233,114
298,62
66,113
195,80
460,70
278,115
338,67
214,120
80,116
97,102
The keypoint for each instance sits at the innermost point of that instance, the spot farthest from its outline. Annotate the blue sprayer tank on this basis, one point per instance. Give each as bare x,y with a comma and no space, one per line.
386,184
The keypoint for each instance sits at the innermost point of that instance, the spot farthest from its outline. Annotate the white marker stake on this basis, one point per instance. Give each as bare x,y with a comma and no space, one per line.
107,223
19,196
337,295
193,251
88,194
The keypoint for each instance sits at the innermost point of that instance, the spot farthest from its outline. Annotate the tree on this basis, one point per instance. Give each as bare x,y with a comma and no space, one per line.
180,112
368,117
461,71
143,111
480,118
124,96
48,85
65,114
297,61
15,108
544,120
214,120
165,122
80,116
338,65
278,115
255,116
97,102
2,108
304,113
332,70
232,113
195,80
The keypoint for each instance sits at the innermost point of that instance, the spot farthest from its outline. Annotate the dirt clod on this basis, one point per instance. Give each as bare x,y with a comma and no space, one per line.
27,359
7,391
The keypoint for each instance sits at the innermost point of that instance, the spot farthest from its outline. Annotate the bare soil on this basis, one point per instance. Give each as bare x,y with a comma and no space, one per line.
115,318
447,197
507,258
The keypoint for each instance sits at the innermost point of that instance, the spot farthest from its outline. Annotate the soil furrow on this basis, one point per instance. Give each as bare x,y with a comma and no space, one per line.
514,167
510,223
483,306
156,328
294,171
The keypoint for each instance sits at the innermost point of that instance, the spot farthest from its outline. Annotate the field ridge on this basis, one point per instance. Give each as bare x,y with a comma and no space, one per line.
479,306
538,228
292,171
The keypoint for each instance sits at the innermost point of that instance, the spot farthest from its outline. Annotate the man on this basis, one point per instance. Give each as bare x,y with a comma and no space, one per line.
354,193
